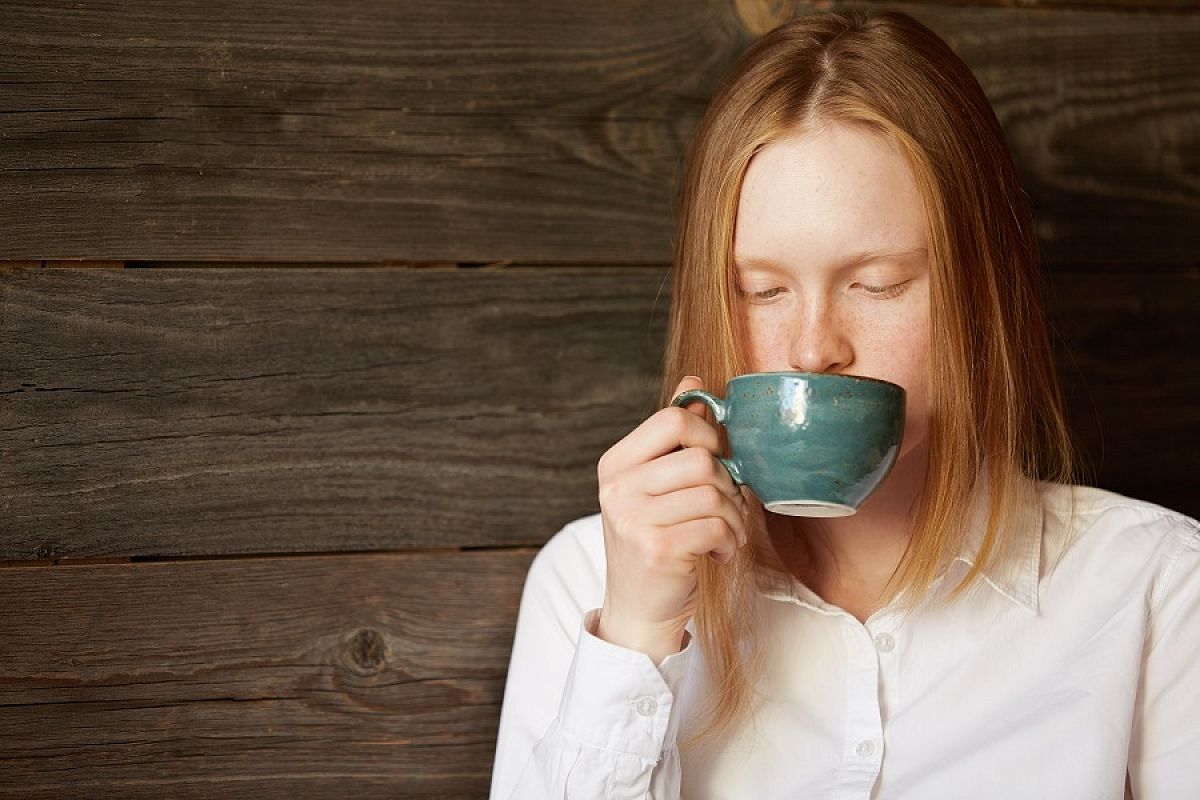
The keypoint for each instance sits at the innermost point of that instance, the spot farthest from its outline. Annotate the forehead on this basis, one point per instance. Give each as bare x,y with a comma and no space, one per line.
818,196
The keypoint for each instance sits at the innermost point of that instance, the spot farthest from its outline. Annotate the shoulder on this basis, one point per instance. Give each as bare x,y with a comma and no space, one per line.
1117,535
1107,514
568,572
577,549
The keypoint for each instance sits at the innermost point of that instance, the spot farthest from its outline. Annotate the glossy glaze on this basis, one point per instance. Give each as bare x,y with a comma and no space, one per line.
808,444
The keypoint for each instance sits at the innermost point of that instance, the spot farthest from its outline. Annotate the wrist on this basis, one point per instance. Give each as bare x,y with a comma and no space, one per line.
656,642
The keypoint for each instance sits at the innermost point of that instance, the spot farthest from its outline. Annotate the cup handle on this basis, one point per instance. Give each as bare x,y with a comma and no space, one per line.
717,406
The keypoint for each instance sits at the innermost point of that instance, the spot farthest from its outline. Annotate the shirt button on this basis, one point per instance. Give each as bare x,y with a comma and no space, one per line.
865,748
646,706
885,642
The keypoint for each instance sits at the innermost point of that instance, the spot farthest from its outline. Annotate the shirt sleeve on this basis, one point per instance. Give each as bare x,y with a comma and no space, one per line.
582,718
1165,745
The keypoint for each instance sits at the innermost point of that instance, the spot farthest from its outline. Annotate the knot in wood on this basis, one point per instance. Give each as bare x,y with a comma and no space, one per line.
44,551
367,651
760,16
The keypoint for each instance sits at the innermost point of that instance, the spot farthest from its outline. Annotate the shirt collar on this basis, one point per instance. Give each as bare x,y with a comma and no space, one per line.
1015,570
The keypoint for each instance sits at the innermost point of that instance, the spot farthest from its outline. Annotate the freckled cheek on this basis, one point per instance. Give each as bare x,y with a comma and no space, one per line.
765,344
899,353
881,342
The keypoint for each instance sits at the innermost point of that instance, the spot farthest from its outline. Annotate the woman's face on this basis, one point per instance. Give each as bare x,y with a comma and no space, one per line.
831,259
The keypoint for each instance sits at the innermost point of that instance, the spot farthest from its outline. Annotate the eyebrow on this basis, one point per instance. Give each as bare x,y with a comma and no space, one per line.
857,259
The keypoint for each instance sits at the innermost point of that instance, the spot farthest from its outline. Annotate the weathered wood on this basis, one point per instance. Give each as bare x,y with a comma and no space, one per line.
760,16
1128,6
1127,354
175,412
332,676
482,131
1103,130
215,411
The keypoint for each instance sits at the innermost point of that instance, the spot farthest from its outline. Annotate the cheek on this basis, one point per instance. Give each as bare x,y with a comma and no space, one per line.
897,343
912,372
760,343
917,400
915,360
897,350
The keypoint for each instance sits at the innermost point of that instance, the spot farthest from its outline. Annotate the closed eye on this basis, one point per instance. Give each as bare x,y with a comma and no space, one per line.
766,295
886,291
756,297
881,292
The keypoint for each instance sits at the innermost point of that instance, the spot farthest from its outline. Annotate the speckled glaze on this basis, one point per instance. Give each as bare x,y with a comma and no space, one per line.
809,444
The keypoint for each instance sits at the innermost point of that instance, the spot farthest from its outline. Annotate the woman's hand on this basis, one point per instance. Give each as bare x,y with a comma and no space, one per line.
663,509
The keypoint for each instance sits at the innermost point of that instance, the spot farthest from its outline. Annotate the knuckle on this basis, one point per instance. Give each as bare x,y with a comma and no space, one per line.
717,526
711,498
700,460
607,492
606,465
602,466
678,420
627,520
730,533
717,471
657,551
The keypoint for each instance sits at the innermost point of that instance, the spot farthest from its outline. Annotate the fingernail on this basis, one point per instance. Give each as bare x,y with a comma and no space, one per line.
693,377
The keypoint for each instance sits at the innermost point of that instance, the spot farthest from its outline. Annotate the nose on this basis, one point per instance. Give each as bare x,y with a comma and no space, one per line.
819,342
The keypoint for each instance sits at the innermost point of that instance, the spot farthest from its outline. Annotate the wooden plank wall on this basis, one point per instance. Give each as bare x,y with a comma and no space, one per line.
315,317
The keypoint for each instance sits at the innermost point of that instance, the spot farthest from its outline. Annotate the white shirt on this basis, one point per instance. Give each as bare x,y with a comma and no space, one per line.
1050,679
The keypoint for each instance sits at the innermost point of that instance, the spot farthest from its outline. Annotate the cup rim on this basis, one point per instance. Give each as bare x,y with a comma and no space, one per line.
816,375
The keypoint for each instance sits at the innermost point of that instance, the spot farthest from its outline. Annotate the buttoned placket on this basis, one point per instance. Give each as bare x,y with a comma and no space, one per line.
862,751
883,628
872,681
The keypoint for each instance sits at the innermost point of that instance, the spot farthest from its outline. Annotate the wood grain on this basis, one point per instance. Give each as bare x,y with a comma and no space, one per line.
1128,6
1127,354
176,412
368,675
483,131
1105,131
223,411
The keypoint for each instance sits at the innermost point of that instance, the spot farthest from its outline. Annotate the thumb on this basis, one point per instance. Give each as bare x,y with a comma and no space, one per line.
691,382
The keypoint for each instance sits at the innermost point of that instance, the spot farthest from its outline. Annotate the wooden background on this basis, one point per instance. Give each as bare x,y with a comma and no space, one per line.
315,318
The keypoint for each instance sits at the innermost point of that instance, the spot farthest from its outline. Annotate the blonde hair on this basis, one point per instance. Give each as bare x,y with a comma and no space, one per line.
994,393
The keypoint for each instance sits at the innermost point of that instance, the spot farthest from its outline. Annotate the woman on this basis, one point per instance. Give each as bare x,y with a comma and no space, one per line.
983,626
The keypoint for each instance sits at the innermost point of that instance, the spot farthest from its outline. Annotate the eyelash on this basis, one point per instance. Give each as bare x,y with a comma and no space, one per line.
878,292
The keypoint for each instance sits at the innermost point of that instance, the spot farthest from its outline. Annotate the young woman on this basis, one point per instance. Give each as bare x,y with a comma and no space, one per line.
984,626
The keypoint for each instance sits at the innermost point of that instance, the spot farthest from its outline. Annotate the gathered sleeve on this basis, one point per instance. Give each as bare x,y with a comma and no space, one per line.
582,718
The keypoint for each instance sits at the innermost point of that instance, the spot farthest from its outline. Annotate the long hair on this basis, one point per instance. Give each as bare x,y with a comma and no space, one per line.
995,401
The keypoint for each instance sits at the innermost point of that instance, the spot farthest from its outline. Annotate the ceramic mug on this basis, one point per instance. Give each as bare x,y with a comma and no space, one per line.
810,444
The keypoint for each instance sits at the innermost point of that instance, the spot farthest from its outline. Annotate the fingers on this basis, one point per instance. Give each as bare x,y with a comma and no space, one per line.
706,536
692,466
663,432
690,382
699,502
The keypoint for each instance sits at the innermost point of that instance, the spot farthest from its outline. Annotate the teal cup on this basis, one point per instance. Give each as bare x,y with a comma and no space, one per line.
810,444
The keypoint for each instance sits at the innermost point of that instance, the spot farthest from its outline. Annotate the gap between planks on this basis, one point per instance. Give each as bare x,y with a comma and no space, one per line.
94,560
